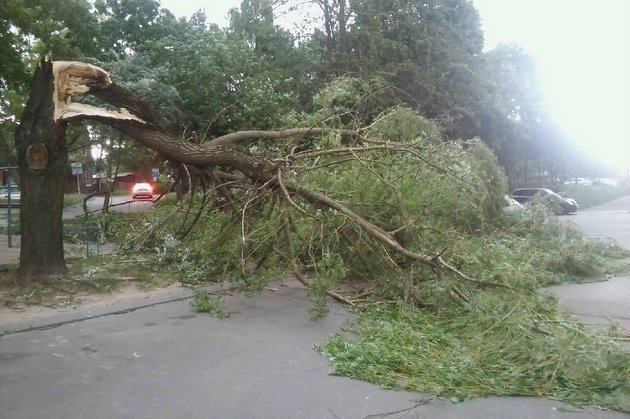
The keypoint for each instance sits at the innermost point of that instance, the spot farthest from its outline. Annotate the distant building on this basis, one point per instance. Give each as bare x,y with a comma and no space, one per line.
122,181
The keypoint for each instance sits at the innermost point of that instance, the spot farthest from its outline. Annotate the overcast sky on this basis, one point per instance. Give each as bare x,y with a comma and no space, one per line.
581,47
216,10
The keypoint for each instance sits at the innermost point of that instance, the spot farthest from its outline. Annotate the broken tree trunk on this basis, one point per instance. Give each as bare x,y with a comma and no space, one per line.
42,160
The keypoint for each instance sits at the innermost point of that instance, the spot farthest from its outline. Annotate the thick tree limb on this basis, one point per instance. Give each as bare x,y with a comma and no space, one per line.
242,136
72,78
135,119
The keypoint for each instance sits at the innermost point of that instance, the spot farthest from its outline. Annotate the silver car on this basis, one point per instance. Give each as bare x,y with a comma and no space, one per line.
4,196
559,204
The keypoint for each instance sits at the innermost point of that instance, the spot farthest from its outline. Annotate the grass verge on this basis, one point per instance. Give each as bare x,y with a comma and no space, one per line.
72,199
591,195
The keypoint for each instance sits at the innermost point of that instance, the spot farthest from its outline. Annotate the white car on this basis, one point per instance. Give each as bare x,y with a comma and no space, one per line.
4,196
559,204
142,190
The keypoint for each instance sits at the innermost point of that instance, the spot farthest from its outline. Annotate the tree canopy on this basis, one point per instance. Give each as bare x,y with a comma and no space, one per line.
208,81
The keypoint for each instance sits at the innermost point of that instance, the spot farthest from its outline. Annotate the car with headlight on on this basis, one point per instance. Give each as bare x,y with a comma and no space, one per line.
142,190
559,204
4,196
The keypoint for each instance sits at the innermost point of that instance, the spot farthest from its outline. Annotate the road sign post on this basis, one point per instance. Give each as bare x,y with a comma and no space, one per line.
77,169
155,173
9,219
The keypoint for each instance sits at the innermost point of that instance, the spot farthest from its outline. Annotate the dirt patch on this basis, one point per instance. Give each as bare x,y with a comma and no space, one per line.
93,281
14,308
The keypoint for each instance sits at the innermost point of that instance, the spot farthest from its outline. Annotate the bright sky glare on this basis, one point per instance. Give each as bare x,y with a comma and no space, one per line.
582,50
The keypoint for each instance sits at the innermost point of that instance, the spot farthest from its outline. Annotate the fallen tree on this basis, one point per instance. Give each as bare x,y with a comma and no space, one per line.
226,161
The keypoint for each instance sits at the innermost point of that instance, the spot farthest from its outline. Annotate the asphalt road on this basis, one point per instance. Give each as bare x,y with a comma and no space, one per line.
610,220
602,303
122,203
142,359
164,361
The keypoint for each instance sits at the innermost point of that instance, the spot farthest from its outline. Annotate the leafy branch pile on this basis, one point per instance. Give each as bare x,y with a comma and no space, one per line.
412,226
504,343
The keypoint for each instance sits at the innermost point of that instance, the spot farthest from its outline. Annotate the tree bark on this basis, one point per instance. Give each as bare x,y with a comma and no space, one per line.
343,21
42,161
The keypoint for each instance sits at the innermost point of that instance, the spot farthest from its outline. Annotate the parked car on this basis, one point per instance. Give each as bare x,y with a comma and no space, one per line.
579,181
4,196
559,204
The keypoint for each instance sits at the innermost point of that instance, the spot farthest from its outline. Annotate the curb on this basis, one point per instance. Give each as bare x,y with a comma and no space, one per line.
90,313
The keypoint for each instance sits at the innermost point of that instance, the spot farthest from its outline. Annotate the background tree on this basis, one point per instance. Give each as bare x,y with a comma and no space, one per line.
28,29
431,53
123,25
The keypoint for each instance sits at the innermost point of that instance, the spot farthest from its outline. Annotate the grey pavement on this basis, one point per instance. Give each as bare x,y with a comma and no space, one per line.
608,220
164,361
155,358
121,203
606,302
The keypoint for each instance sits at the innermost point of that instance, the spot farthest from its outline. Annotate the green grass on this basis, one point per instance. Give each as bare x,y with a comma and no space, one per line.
121,192
588,196
72,199
15,227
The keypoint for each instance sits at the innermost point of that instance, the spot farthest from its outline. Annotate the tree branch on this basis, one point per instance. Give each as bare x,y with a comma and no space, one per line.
432,260
241,136
286,227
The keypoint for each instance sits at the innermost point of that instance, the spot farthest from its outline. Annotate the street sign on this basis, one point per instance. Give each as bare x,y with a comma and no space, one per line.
77,168
155,173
